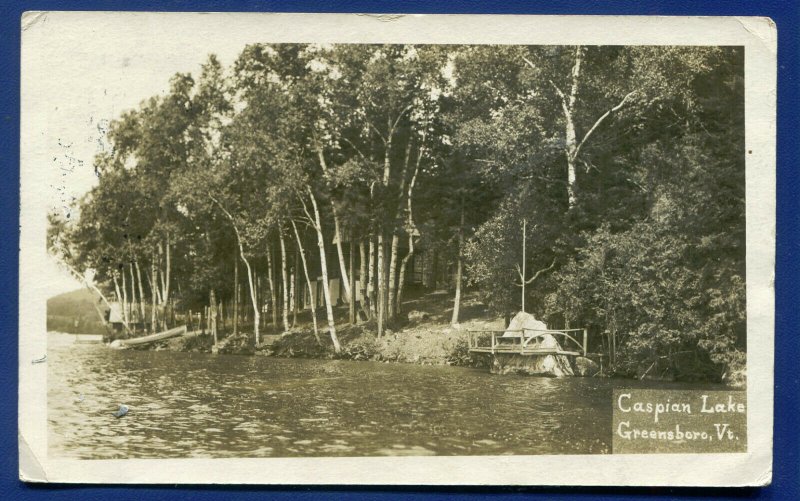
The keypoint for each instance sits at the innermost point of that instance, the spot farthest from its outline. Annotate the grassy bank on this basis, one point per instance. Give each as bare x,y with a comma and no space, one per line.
423,335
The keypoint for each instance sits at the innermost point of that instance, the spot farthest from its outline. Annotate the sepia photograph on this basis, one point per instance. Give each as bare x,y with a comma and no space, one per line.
261,247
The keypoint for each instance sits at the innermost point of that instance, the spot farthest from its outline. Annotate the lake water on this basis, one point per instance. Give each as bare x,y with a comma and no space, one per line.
201,405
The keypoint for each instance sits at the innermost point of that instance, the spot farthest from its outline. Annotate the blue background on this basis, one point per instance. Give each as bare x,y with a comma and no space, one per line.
786,477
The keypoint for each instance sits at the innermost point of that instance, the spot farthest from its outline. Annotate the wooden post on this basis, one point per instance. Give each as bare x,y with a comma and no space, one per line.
190,320
585,339
352,279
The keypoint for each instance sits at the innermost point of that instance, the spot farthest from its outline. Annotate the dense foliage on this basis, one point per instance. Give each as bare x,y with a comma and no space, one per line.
304,162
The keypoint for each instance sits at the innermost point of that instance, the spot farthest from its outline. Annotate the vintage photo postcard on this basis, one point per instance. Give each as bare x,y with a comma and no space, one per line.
422,249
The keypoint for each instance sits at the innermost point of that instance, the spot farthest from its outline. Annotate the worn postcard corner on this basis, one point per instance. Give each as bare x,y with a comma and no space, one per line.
429,250
30,468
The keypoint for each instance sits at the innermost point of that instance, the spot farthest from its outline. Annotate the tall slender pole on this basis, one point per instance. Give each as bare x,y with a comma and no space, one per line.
524,236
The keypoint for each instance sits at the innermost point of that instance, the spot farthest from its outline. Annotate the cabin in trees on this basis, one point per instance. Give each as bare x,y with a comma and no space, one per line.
115,318
426,269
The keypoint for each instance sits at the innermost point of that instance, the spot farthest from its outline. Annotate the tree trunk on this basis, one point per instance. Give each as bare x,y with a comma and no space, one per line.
337,234
236,296
159,279
372,304
142,300
153,294
273,293
402,278
392,298
162,291
362,278
296,288
308,282
285,283
125,311
134,306
212,310
411,227
381,284
256,314
259,295
122,295
387,169
457,301
571,141
161,275
324,265
342,269
169,271
352,280
396,227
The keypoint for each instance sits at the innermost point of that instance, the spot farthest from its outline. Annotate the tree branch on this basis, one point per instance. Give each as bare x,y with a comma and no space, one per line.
536,275
564,104
558,91
233,223
521,276
378,132
600,120
364,158
321,155
397,120
533,66
544,178
305,209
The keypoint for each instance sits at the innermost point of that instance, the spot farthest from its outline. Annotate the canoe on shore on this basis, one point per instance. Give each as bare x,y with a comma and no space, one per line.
159,336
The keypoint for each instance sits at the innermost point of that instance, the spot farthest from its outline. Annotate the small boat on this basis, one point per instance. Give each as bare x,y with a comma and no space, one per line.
159,336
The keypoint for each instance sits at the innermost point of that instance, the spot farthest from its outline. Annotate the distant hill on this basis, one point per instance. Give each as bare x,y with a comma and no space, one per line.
74,312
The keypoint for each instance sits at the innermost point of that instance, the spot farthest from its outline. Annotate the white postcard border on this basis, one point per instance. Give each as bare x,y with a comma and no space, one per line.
757,35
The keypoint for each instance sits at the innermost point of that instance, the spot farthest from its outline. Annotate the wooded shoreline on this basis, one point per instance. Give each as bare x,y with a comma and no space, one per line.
598,187
426,340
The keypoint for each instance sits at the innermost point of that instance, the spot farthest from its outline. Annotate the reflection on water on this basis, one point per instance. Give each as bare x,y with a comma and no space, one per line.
200,405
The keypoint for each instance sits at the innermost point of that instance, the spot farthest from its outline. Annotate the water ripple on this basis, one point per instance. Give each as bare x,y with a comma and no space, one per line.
197,405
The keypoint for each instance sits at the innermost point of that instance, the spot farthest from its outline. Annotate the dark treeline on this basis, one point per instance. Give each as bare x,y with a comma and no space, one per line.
301,164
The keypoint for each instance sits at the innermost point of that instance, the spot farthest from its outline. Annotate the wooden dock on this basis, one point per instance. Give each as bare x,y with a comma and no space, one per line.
525,342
